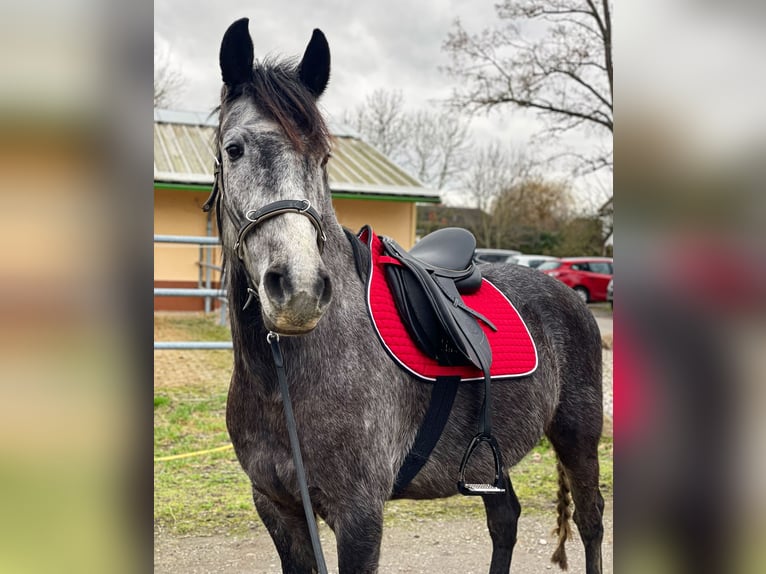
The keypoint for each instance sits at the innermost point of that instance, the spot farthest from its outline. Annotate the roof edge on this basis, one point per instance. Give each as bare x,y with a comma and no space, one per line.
414,193
369,189
186,178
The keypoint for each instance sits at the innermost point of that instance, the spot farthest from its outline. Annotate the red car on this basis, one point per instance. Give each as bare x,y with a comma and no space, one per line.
588,276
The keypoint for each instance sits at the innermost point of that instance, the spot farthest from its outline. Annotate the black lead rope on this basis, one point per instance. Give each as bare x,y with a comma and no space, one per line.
279,362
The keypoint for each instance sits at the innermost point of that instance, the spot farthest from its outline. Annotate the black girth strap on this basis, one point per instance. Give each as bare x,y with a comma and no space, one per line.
442,397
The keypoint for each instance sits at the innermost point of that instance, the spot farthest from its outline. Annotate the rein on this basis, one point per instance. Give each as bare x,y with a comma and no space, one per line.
292,432
254,217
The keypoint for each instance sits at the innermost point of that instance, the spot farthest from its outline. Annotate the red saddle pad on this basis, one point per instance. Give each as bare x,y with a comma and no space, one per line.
513,351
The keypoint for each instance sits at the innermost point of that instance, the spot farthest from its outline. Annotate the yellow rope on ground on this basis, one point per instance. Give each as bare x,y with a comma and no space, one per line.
190,454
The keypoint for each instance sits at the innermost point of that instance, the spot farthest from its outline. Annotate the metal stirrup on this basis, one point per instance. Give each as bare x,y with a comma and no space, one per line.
498,485
485,435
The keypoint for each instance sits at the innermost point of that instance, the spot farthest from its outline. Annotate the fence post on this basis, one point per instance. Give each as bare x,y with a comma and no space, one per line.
208,262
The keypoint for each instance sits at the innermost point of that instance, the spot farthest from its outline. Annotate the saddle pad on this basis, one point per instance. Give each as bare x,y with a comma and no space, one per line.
513,351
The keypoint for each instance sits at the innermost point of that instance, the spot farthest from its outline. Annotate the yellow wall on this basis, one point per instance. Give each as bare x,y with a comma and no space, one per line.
397,219
179,212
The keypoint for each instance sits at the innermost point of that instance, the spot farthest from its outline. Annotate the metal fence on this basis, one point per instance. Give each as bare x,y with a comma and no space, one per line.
204,289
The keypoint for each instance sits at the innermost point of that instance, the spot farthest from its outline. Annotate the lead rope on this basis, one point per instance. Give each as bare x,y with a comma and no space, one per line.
279,361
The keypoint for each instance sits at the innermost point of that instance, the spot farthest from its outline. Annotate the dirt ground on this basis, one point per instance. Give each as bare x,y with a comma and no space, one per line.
427,546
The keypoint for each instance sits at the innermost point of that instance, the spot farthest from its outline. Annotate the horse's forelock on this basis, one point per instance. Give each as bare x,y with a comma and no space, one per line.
277,92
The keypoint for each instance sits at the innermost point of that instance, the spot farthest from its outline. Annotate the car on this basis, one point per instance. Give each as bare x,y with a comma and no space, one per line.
610,292
486,255
533,261
588,276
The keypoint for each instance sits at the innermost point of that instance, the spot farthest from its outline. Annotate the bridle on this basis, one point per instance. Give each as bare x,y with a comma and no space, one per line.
254,217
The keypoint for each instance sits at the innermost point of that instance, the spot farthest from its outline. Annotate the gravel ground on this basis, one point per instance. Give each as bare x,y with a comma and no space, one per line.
426,546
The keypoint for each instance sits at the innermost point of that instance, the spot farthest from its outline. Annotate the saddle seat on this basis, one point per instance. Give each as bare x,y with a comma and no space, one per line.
449,252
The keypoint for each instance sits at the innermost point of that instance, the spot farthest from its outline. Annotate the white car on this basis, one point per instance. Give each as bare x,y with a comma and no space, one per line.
531,260
486,255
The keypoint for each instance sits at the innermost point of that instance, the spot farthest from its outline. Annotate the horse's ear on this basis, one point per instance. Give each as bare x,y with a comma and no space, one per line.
236,55
314,69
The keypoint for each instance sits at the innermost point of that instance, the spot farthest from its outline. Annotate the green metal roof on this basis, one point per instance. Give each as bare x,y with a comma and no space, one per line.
183,154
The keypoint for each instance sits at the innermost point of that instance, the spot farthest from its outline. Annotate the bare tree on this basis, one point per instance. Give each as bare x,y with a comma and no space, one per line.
562,69
436,146
493,169
431,144
168,80
532,214
381,121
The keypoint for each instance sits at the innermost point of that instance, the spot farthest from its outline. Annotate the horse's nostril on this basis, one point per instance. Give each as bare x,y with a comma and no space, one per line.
277,284
323,287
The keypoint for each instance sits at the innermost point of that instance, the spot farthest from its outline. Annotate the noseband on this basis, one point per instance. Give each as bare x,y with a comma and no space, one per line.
300,206
257,216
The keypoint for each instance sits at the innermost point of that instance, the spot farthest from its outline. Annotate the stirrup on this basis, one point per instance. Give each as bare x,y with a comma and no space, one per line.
475,489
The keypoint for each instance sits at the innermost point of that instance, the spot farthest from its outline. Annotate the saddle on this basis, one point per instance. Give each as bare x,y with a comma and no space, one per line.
440,320
427,284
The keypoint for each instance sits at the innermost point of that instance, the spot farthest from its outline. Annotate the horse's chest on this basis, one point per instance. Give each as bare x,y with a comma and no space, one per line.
261,442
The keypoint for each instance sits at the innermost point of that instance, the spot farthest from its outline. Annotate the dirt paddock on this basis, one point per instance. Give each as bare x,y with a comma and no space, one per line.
427,546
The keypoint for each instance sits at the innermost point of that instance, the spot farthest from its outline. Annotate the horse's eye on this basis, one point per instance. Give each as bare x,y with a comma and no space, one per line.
326,159
233,151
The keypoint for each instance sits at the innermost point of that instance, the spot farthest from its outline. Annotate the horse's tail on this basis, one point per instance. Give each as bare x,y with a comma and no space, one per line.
563,528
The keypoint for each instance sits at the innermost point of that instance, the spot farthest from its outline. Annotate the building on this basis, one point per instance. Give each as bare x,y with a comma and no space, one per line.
367,188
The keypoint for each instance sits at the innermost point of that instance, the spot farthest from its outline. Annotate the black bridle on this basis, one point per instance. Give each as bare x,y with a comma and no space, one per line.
253,217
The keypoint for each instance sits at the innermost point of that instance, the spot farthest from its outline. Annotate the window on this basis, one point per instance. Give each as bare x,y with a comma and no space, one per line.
549,265
601,267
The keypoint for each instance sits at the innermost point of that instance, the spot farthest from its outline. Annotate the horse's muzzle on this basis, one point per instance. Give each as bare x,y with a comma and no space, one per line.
294,303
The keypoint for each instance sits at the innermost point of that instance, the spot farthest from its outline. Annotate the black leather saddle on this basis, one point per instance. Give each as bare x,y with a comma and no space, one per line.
427,283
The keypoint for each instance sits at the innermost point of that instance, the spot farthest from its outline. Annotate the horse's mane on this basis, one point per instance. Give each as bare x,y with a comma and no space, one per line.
278,92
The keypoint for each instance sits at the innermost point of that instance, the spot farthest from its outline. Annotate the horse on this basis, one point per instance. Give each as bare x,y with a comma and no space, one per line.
290,271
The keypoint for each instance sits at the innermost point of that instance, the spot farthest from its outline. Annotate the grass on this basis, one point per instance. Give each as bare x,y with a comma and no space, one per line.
210,494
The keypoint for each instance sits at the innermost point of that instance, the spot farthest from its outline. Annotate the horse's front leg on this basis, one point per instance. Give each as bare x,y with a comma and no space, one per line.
359,530
289,531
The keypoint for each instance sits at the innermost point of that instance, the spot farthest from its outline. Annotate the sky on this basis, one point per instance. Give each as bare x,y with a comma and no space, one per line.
389,44
394,44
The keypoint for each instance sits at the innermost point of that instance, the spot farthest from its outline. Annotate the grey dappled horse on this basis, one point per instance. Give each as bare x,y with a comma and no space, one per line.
357,412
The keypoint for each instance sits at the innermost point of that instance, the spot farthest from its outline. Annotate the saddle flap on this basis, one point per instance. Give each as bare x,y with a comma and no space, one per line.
423,328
